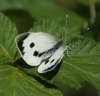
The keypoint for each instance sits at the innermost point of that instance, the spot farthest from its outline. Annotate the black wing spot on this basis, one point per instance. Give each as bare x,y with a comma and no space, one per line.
52,60
36,53
32,45
41,54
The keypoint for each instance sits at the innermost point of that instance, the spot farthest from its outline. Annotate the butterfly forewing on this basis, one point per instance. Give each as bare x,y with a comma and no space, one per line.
32,46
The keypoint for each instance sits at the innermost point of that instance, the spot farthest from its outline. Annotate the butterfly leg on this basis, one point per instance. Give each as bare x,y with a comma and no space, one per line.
67,53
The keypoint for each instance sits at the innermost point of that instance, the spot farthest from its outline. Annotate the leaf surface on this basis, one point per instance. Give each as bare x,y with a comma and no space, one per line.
83,64
8,32
14,82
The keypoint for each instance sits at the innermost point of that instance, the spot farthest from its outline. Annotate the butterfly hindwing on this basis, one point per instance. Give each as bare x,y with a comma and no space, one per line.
51,62
32,46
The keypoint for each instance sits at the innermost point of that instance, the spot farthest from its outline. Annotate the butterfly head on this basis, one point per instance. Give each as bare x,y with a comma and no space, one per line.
64,40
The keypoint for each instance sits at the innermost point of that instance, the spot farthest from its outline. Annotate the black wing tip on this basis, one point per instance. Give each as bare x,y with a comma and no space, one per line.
19,41
21,37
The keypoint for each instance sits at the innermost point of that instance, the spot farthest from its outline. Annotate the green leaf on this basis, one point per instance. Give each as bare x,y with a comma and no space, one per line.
14,82
84,64
8,32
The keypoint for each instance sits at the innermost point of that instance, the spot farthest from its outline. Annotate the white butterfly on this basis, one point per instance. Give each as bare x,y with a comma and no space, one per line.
41,49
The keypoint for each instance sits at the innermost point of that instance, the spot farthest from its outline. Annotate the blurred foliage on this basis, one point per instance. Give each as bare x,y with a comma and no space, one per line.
81,15
44,9
88,2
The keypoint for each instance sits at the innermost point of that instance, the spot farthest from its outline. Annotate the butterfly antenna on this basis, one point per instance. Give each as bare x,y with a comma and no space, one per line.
84,30
66,20
66,24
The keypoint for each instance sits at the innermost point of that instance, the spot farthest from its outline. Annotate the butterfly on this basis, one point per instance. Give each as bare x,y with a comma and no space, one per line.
41,49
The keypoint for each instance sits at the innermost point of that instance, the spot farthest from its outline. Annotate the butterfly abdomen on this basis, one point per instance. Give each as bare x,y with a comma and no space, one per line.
53,50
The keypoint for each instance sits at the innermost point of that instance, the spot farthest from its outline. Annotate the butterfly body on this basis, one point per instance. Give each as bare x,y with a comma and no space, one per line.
41,49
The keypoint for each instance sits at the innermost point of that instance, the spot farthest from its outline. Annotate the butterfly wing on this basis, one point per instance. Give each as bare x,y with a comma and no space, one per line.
50,63
32,46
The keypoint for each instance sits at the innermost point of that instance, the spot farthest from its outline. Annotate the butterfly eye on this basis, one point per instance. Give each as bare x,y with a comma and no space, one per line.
32,45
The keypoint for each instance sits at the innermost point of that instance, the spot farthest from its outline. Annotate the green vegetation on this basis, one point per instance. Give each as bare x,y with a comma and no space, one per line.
18,16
